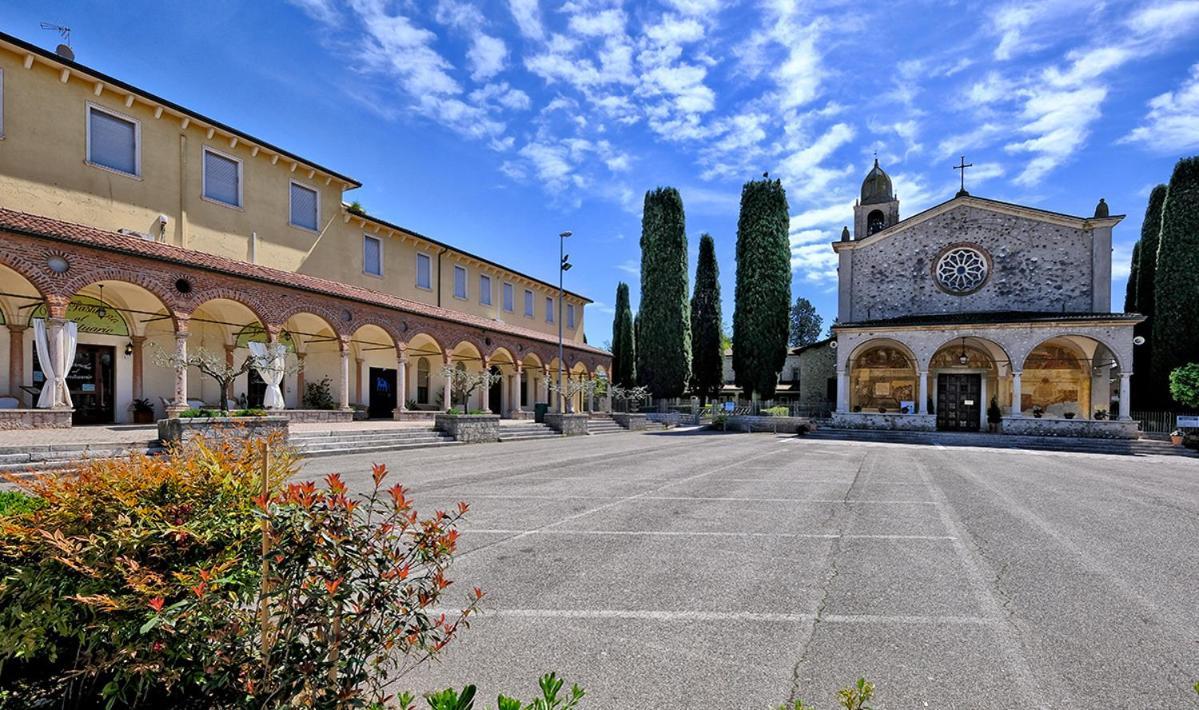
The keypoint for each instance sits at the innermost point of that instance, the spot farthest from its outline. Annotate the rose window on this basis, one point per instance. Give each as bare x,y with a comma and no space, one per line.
961,270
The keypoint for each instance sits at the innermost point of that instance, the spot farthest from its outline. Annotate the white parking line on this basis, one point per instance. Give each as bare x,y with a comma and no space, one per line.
719,616
701,533
723,499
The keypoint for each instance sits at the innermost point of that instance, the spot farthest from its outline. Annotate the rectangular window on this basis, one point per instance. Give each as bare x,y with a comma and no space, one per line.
423,271
509,298
372,255
305,207
222,178
570,315
113,141
459,282
549,310
485,290
528,303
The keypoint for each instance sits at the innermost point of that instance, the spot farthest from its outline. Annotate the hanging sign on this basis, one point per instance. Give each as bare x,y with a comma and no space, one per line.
1187,422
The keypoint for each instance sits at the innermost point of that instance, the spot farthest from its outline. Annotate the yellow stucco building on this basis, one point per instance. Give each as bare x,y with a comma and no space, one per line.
141,227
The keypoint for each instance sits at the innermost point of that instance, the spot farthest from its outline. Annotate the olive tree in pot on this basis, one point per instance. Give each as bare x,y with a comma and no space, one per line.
463,384
218,368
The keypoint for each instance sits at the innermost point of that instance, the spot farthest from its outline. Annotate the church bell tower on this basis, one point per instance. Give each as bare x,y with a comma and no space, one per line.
878,207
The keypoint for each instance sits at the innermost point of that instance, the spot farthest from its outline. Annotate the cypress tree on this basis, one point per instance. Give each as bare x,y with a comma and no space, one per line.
761,315
707,371
624,368
1175,288
1148,391
664,337
638,365
1130,288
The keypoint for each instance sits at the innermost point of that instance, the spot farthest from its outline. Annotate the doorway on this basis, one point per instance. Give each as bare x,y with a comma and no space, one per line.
959,401
90,382
382,401
495,398
255,389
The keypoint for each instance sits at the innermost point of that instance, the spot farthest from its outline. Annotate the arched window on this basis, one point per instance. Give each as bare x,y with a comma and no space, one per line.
875,221
422,381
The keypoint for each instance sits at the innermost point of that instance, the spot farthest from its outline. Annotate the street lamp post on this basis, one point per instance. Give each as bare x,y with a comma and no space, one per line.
563,267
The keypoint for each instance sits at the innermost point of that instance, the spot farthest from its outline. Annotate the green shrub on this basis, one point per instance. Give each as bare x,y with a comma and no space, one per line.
551,689
1184,384
140,582
319,395
852,698
16,503
776,412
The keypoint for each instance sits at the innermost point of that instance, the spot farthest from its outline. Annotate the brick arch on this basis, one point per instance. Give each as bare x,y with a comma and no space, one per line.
361,319
137,278
199,298
332,319
31,273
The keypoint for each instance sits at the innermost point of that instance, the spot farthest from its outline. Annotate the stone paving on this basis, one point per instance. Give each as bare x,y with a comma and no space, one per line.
712,570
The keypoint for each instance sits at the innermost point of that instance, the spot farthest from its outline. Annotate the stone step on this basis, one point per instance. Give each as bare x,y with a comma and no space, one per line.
362,438
334,444
356,449
1046,443
44,461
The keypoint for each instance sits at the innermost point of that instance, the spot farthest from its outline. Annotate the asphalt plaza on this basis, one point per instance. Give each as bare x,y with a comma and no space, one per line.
712,570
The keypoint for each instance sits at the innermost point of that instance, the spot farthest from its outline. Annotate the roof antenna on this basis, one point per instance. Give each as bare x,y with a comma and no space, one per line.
64,49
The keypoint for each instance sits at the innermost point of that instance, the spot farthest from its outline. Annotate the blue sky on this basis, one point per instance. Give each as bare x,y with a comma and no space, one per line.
494,124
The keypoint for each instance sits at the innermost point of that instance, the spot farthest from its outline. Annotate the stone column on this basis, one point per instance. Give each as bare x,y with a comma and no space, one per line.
180,400
1016,396
300,379
922,403
16,361
519,388
401,385
842,391
485,392
138,342
1125,396
343,394
447,400
549,400
358,380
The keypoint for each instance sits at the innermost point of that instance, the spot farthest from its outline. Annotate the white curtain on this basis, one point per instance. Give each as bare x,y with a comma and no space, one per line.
45,400
70,338
55,358
270,363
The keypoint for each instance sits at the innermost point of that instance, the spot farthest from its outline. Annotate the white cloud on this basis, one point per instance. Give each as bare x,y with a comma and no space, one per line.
1164,19
487,55
630,267
1172,123
323,11
527,15
600,24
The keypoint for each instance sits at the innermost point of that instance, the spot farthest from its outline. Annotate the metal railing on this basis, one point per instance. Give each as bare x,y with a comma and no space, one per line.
1161,421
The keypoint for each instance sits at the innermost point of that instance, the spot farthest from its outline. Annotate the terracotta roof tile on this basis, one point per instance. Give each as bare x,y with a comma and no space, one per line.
38,226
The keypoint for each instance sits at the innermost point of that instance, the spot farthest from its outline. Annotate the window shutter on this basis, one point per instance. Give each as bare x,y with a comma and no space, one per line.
423,270
303,207
221,179
371,263
113,142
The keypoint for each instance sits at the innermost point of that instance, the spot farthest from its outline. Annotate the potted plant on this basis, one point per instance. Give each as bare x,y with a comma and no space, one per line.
143,411
1068,415
1176,437
1100,414
882,410
994,415
1038,411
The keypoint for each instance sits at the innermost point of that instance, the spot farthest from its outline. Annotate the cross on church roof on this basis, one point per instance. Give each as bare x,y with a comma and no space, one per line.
962,166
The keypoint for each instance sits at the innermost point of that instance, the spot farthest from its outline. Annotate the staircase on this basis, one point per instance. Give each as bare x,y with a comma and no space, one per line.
61,457
1132,447
523,430
367,441
603,424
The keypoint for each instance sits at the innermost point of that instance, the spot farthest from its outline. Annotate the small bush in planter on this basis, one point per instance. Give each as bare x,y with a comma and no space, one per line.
1038,412
143,411
319,395
1100,414
1068,415
776,412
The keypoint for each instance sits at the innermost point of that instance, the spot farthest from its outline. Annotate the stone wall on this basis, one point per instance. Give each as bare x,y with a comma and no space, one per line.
311,416
1035,266
182,431
567,424
779,425
35,419
1087,428
470,428
817,365
632,422
899,422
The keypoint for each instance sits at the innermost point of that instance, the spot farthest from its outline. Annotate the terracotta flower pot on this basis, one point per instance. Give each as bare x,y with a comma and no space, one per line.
1176,440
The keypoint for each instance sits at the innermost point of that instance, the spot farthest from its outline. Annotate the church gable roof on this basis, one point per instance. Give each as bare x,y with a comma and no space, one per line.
983,203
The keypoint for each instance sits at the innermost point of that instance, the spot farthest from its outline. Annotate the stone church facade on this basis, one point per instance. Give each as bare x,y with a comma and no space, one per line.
976,302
